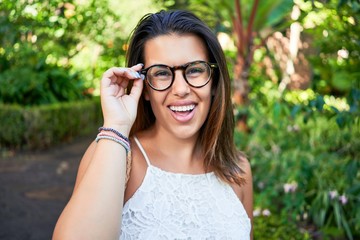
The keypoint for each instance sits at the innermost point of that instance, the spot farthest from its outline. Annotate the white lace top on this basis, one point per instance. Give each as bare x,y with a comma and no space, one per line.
183,206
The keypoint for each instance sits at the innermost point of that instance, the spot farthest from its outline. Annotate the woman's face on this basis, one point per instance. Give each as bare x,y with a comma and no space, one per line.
180,110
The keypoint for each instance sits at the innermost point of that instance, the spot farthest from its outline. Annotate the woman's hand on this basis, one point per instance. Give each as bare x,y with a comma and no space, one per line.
119,108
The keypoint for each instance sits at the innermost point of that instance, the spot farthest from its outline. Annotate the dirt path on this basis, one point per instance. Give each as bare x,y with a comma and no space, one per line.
34,188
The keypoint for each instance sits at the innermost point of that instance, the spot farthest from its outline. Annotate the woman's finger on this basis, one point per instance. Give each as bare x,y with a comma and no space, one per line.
117,74
120,76
138,84
137,67
137,88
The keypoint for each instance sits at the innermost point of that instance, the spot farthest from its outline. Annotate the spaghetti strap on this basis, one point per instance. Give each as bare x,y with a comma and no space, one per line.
142,150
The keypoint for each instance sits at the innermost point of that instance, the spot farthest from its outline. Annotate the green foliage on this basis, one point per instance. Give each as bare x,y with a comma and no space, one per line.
75,40
52,27
273,15
334,28
39,40
42,84
42,126
305,163
276,227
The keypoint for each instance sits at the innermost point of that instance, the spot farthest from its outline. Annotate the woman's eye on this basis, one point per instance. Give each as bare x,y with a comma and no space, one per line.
195,70
162,74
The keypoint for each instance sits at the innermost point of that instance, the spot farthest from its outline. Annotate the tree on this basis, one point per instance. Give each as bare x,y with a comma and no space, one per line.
253,22
334,28
38,40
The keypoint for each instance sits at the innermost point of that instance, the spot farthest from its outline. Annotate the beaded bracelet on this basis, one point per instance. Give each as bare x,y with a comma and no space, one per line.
114,131
122,142
111,134
114,135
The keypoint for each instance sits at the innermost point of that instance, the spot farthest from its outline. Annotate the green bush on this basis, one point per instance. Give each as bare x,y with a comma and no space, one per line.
42,126
305,164
335,54
55,51
275,227
40,84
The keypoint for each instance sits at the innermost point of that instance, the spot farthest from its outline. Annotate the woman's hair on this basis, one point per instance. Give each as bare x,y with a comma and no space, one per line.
216,135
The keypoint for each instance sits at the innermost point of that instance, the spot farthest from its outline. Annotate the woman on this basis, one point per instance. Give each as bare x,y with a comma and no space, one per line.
187,180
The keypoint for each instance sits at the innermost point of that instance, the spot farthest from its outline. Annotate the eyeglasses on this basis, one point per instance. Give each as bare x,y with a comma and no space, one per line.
197,74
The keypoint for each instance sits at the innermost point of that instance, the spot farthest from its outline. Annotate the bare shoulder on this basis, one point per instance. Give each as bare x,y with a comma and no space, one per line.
245,191
247,188
244,164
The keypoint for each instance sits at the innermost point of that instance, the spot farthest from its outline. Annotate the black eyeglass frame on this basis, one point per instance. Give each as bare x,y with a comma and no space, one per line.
183,67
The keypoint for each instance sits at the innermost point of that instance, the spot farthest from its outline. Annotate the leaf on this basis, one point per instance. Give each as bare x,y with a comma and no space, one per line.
295,110
340,120
337,214
319,103
277,111
335,109
351,171
271,12
346,227
342,80
281,11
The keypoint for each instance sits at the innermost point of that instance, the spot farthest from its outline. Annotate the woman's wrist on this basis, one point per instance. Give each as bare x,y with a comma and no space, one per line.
114,135
123,129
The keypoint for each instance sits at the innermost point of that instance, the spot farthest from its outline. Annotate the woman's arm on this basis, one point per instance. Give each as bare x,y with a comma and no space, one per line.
95,207
94,210
247,192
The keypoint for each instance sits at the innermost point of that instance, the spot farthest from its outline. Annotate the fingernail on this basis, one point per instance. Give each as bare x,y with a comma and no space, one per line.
142,76
137,75
141,64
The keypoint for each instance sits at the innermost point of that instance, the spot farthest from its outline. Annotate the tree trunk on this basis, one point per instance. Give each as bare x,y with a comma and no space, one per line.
243,63
241,92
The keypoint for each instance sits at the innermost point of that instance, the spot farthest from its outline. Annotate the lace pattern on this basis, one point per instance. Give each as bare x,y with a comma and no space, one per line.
184,206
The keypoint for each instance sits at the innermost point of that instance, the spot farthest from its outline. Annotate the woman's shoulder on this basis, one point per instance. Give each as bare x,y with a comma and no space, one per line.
245,191
244,164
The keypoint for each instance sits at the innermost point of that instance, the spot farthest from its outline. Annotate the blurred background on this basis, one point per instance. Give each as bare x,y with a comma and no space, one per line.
295,67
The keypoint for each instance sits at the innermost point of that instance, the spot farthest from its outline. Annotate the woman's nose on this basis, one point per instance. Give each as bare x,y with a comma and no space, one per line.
180,87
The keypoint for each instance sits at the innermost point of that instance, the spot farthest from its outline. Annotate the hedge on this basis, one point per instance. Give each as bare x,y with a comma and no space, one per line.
39,127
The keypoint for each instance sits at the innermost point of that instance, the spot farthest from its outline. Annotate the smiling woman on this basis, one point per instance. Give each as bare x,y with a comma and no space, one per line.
171,109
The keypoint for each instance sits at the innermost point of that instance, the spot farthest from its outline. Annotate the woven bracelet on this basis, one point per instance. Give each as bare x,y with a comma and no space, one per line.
111,134
122,142
114,131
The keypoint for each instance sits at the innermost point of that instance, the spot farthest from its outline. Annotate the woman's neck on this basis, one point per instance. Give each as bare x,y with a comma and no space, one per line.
171,153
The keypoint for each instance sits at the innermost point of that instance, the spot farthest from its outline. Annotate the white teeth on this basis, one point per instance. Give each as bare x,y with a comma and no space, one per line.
182,108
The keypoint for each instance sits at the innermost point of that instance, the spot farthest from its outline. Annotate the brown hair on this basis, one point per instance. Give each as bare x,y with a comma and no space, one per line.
216,135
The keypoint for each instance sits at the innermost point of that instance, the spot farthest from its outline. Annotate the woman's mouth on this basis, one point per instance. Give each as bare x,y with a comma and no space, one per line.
183,113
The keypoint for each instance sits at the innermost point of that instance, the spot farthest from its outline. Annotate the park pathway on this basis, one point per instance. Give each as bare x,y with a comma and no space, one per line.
34,188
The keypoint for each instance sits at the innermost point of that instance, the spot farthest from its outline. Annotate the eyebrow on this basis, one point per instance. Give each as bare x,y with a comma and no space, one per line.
163,64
